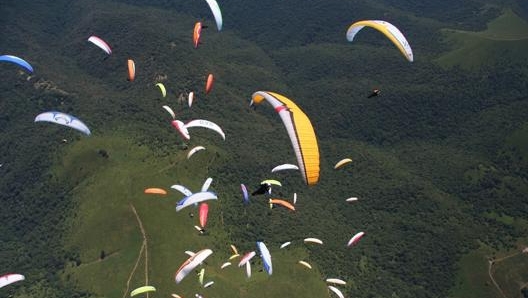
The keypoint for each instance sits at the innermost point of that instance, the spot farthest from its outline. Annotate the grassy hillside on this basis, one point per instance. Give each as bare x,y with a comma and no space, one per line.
505,39
439,158
105,222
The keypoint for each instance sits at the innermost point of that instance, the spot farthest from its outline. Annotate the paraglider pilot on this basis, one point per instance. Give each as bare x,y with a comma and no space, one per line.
263,188
375,92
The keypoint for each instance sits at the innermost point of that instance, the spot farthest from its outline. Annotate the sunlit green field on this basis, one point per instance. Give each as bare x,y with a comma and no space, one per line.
505,38
106,223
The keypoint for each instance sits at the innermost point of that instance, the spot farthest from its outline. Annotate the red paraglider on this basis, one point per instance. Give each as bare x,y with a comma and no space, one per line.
204,210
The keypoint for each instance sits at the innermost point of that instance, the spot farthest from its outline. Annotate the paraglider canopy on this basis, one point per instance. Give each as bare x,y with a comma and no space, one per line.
170,111
131,70
18,61
215,9
63,119
191,263
234,249
336,281
100,43
283,167
300,131
209,83
184,190
355,239
313,240
162,89
245,259
245,194
271,181
342,162
195,198
266,257
205,124
190,98
305,264
389,30
208,284
194,150
197,33
336,291
142,290
285,244
155,191
203,211
10,278
282,203
182,130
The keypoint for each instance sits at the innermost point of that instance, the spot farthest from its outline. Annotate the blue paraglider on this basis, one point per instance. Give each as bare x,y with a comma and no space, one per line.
19,61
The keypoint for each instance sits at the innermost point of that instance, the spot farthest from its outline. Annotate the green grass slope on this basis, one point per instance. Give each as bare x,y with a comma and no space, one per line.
505,39
106,222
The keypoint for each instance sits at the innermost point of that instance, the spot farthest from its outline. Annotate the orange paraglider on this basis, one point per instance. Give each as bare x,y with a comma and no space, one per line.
156,191
197,33
131,70
282,203
209,83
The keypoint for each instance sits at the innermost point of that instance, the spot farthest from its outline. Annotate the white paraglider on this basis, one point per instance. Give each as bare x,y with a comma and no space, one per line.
215,9
283,167
184,190
205,124
191,263
266,257
194,150
195,198
63,119
10,278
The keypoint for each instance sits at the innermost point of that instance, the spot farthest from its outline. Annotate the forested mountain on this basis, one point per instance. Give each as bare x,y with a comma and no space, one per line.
439,157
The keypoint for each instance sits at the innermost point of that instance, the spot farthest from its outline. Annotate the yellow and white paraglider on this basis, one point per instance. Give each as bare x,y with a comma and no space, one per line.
388,29
300,131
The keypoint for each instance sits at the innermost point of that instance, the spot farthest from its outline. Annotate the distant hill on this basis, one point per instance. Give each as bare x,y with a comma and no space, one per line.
505,39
